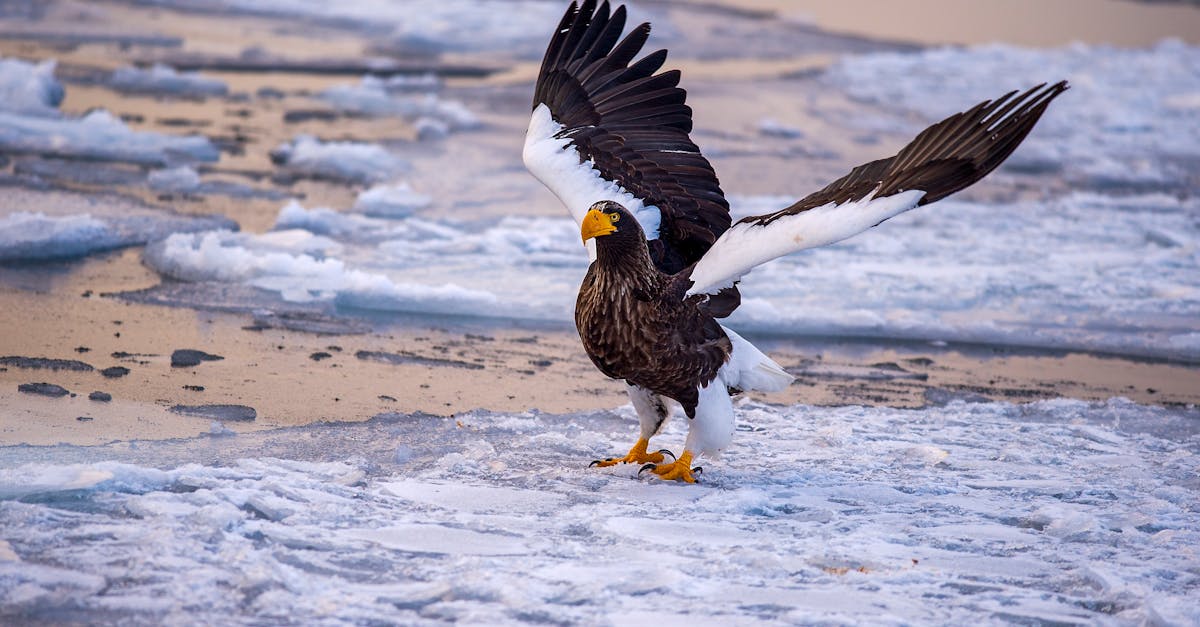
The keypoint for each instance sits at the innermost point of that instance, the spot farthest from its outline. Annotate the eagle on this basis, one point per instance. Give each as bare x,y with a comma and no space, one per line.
609,136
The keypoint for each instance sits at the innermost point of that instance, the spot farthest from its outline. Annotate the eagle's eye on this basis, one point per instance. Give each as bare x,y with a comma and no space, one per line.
615,217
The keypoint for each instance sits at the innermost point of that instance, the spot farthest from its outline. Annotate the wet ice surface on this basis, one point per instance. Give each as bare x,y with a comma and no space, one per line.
1056,511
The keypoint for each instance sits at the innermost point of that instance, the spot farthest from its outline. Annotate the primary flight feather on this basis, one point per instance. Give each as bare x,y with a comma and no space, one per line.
609,136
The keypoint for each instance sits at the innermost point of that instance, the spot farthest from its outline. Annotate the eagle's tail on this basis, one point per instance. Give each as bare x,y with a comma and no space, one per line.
749,369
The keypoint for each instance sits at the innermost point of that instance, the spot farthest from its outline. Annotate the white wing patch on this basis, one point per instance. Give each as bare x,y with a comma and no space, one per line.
578,185
747,245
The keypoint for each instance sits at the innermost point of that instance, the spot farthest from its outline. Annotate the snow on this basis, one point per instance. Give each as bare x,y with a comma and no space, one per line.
177,179
30,122
101,136
372,96
29,88
395,200
1131,117
419,26
292,263
343,160
164,79
1056,511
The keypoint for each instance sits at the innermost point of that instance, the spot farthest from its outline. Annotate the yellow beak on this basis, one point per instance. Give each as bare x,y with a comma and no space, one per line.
595,224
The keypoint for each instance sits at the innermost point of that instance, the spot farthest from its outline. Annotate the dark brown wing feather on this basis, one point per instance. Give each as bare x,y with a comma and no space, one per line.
633,124
942,159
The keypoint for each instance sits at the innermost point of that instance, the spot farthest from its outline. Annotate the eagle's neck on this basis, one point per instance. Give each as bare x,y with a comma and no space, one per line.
627,262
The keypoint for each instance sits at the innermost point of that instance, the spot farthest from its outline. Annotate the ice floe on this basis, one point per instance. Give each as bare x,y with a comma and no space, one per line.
294,264
177,179
101,136
29,88
419,26
165,80
343,160
31,123
1131,118
430,113
395,200
1057,511
80,227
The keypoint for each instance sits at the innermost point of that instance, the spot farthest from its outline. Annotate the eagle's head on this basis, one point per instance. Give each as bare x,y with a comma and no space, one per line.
611,224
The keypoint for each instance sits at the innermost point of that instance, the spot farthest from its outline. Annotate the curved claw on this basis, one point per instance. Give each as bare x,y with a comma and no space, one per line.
636,455
666,452
647,467
678,470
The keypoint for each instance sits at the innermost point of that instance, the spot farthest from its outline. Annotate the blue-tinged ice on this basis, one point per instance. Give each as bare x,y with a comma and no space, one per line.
99,135
29,88
372,96
1058,512
165,80
343,160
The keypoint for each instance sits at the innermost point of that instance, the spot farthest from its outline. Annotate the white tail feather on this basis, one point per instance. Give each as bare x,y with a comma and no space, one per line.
749,369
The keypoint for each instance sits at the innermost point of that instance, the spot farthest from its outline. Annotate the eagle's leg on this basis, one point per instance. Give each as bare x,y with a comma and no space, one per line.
710,429
652,411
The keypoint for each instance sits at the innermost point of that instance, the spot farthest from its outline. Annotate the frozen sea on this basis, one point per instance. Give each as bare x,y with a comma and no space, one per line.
1052,512
1055,512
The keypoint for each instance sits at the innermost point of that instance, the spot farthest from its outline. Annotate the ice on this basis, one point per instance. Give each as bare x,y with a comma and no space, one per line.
99,135
348,161
293,263
164,79
396,200
36,236
1080,271
373,97
420,26
1131,117
177,179
29,88
773,128
1056,511
324,221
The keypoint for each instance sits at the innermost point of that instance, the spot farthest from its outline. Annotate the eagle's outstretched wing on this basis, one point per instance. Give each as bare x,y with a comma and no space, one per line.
604,128
941,160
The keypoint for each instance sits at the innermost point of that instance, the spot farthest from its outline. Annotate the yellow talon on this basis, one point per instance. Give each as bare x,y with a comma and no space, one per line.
636,455
679,470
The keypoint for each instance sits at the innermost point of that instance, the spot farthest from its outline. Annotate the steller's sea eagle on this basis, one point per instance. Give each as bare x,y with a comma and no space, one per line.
609,136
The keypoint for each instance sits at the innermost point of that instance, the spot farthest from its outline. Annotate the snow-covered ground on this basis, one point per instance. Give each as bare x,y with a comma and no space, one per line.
1057,512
